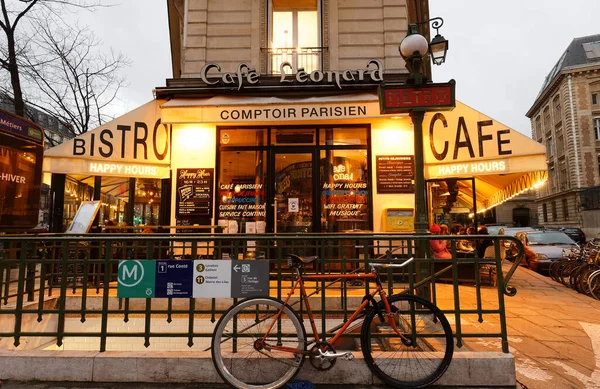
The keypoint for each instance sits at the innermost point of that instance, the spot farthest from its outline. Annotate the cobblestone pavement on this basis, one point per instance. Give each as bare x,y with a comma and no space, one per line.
554,333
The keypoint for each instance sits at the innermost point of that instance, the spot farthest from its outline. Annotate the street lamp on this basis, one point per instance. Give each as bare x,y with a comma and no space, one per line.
413,48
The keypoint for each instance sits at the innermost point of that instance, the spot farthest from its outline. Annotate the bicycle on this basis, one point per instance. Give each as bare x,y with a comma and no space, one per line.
261,342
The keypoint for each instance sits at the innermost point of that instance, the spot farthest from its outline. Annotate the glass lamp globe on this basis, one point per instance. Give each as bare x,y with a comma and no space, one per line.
413,43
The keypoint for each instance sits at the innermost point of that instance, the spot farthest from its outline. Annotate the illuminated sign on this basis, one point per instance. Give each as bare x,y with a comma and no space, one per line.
483,167
321,112
123,169
405,98
340,173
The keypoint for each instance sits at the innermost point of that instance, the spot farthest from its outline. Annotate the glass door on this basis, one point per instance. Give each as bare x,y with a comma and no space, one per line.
293,195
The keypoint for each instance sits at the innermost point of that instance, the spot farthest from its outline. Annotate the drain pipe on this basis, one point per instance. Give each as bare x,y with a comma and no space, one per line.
186,6
573,132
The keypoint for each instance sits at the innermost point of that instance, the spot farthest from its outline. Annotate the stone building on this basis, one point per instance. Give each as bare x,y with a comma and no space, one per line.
565,117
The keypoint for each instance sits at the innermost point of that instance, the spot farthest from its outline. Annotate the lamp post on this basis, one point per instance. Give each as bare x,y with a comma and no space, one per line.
413,49
409,98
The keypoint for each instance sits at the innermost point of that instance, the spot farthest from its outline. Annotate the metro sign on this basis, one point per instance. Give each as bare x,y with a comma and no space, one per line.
405,98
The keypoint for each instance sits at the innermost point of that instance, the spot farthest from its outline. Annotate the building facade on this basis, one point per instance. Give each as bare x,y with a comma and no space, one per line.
274,123
565,117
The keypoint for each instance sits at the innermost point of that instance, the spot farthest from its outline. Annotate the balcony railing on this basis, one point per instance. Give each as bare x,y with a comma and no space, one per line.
308,58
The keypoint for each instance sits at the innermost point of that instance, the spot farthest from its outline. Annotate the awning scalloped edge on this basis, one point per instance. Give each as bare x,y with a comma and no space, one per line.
522,184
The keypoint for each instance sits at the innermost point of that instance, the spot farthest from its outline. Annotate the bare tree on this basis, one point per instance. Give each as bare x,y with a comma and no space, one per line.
17,15
71,78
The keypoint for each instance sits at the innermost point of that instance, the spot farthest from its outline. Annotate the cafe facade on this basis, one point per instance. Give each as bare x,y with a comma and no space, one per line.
262,139
299,162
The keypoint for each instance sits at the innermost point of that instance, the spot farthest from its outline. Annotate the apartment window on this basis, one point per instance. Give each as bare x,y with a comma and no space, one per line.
554,211
599,164
597,128
550,147
545,213
565,207
295,35
594,98
547,124
538,126
562,176
560,143
557,109
552,178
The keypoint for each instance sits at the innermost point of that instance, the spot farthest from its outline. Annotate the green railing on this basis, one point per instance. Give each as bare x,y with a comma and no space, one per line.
45,280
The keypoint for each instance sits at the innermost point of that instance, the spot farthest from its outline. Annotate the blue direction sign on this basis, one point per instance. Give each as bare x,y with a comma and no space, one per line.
174,278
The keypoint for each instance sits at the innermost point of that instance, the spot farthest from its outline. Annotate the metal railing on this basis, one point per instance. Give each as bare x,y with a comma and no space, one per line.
308,58
48,280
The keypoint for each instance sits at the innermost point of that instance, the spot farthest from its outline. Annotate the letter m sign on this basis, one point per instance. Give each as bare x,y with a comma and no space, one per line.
136,279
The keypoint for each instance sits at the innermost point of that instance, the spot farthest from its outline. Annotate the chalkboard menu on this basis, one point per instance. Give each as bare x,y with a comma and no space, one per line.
395,174
194,192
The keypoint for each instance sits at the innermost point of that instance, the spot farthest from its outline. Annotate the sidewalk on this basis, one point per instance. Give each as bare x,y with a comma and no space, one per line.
554,334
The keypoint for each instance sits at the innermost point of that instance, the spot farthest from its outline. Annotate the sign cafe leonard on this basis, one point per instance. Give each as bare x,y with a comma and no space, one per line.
246,75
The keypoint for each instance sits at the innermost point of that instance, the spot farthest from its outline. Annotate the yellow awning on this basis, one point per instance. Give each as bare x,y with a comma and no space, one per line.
464,143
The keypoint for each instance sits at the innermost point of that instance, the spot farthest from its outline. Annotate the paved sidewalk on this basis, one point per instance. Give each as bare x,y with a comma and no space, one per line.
554,334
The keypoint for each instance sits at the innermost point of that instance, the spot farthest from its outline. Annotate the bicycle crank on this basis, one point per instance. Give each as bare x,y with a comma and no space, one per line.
323,356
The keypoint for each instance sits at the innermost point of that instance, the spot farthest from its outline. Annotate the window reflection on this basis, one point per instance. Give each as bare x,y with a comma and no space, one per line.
344,190
295,35
242,197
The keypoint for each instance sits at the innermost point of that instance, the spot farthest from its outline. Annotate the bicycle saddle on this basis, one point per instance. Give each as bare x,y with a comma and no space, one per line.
296,260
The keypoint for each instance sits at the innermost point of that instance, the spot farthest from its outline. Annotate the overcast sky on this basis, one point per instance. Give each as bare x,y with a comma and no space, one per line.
500,51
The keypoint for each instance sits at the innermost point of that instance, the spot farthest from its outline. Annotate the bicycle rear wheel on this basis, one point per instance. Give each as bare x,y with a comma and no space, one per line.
417,359
238,355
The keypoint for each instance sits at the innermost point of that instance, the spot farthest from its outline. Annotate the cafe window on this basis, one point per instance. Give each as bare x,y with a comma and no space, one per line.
293,137
344,187
147,202
293,179
243,137
241,191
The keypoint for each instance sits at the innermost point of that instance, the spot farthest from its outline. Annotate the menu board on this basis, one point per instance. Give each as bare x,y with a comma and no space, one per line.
84,217
194,192
395,174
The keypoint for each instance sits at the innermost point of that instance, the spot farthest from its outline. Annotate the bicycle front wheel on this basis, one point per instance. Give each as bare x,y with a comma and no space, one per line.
240,356
420,355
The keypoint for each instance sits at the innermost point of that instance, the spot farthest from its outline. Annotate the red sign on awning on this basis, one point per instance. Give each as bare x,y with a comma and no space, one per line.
405,98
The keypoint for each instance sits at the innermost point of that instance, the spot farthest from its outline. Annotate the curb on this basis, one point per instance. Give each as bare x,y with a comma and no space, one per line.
468,369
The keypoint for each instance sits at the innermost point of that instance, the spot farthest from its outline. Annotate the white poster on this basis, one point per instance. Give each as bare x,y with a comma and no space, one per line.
293,204
212,278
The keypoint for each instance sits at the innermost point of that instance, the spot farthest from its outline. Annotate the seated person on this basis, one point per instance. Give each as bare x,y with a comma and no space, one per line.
483,244
438,246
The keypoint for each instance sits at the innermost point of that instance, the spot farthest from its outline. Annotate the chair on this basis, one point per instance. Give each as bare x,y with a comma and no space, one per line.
490,252
490,270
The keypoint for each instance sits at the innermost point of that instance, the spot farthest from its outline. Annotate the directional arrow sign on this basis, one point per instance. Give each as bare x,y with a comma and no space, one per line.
236,268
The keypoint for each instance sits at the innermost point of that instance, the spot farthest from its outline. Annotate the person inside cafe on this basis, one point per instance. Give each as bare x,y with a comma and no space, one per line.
483,244
438,246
